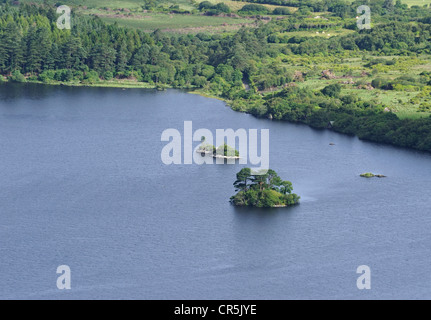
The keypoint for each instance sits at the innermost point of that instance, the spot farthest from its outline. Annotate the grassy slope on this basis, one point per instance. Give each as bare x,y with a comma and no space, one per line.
416,2
171,23
133,4
351,69
135,17
236,5
180,24
114,4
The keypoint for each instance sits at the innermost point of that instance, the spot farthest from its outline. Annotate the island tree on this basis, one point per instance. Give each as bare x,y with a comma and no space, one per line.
262,189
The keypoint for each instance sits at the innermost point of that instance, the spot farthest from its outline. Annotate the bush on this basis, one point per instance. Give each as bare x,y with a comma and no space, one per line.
108,75
271,198
91,77
349,99
199,81
17,77
333,90
303,11
213,10
407,80
291,199
78,75
47,76
32,78
380,83
205,5
63,75
221,7
227,151
367,175
254,9
281,11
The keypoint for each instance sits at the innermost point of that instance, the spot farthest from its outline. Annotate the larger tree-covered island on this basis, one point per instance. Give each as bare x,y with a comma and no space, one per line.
260,189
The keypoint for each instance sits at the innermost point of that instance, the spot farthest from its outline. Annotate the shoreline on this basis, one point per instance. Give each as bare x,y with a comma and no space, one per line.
124,85
121,84
101,84
190,90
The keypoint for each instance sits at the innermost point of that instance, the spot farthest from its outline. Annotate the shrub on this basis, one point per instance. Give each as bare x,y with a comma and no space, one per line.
199,81
333,90
367,175
63,75
32,78
281,11
380,83
222,7
205,5
91,77
254,9
47,76
17,77
78,75
227,151
108,75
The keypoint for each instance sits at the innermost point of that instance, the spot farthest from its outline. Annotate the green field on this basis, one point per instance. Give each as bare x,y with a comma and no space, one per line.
137,4
116,4
404,103
323,34
416,2
133,16
178,23
236,5
184,4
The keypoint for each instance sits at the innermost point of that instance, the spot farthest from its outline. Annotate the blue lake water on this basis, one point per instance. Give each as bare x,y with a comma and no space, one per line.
82,184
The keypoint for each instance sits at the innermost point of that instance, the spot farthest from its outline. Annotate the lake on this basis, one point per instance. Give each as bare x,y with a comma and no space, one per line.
83,185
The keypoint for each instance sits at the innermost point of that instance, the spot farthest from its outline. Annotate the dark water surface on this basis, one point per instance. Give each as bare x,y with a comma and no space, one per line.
82,184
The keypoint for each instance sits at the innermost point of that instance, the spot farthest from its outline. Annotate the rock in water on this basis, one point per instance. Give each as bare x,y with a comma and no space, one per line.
371,175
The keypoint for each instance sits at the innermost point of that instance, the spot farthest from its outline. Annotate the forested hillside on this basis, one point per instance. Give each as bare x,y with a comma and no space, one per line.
305,66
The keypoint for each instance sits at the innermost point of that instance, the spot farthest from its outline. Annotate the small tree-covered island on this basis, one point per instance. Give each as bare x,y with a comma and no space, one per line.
262,189
224,151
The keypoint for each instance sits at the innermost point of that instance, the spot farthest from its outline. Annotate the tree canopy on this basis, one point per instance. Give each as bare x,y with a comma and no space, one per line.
262,189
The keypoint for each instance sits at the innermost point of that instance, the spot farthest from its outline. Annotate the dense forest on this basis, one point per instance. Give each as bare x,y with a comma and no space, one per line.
239,67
